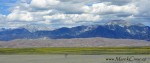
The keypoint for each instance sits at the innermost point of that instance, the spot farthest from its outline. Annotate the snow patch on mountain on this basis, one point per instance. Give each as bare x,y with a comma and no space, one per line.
86,29
89,28
121,23
34,28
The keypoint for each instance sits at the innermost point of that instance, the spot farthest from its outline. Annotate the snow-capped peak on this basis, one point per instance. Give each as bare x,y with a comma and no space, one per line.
140,24
88,28
34,28
121,23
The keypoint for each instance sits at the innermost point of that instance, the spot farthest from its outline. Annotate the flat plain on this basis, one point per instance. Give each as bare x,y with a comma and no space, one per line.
77,51
69,58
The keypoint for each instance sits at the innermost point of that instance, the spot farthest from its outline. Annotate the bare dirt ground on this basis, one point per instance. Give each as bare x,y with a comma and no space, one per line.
71,59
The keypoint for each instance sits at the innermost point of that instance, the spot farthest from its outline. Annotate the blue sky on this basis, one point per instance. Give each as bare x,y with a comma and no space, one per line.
70,13
5,5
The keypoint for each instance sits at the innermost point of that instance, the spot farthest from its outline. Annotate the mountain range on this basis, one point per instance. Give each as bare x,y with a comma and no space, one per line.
117,29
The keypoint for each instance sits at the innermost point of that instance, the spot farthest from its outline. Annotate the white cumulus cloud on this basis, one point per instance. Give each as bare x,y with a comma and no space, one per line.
105,8
69,13
73,17
42,4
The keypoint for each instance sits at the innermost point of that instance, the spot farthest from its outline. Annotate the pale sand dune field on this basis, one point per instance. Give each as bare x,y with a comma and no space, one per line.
76,42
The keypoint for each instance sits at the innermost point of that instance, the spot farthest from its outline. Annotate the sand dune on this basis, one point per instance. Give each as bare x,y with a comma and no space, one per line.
76,42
